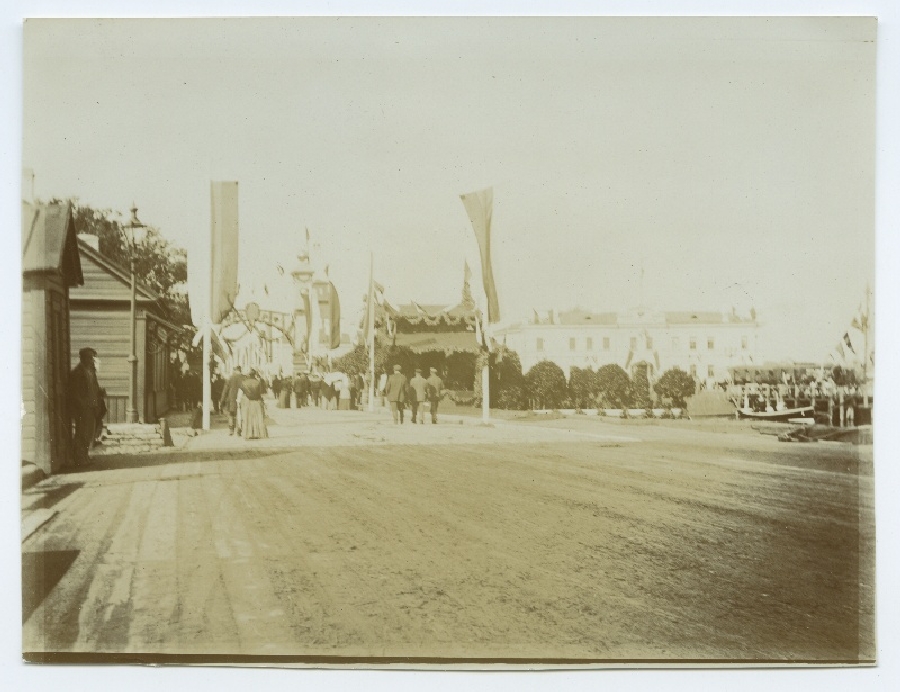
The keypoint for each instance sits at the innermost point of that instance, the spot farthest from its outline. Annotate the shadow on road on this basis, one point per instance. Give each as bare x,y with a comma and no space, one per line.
116,462
40,573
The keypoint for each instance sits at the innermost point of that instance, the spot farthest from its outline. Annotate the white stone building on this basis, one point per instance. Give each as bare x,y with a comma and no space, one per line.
704,344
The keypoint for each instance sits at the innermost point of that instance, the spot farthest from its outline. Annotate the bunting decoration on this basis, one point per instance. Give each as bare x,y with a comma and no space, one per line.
479,207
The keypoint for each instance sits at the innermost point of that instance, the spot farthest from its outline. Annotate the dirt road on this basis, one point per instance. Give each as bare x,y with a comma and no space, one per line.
683,545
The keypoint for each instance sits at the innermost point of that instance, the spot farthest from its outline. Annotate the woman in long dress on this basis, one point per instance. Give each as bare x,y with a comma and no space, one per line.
254,408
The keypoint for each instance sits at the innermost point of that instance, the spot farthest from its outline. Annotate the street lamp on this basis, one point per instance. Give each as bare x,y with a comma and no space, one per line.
133,228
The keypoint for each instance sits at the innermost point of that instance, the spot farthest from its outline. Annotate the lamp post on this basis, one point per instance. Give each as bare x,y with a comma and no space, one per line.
132,228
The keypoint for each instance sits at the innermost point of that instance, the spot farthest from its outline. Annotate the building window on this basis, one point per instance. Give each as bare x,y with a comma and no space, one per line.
710,343
633,343
744,343
693,370
693,343
572,344
649,343
540,344
674,343
590,344
605,343
710,371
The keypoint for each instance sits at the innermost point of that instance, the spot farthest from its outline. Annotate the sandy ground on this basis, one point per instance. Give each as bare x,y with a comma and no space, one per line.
343,535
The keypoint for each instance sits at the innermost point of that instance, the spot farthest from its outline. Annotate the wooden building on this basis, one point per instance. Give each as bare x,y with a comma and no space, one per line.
101,319
50,266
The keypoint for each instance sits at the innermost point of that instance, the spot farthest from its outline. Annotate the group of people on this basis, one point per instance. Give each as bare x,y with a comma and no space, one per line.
242,399
418,392
331,391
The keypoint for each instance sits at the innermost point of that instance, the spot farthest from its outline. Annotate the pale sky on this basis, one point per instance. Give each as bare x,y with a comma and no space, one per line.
733,159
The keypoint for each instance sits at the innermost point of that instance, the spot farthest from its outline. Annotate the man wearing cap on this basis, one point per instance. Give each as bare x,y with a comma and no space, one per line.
435,390
395,392
228,402
418,395
84,404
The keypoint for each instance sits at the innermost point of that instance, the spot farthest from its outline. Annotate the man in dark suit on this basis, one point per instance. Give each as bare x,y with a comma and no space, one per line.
84,403
435,391
395,392
228,402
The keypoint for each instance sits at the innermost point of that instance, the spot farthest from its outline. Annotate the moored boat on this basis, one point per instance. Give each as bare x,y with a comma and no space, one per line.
782,415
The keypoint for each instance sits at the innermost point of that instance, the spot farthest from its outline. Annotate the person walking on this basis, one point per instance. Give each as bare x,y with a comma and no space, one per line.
315,388
395,392
228,400
435,391
253,407
84,404
418,396
301,389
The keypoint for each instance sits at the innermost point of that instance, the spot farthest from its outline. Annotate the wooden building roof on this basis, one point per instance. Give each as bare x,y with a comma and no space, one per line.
49,242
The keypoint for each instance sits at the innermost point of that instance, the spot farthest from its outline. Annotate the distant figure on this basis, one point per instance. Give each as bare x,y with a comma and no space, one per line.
418,396
253,408
276,390
84,404
353,387
301,389
850,416
216,388
228,400
315,388
435,391
395,392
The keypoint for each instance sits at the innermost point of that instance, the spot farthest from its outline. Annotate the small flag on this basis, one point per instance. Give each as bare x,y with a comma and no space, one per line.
856,324
840,349
479,207
379,287
628,361
847,341
537,318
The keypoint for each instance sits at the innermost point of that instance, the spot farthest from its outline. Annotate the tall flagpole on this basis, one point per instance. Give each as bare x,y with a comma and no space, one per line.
370,334
486,377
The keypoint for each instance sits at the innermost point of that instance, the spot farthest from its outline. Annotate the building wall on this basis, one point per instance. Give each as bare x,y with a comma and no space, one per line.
46,426
704,350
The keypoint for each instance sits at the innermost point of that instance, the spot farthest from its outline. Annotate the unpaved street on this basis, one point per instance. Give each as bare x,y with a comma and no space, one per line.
524,540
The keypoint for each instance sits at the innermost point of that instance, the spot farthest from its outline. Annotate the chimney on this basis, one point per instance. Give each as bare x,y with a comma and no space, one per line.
90,239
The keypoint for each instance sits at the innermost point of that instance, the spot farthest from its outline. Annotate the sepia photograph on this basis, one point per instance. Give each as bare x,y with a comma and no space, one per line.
454,342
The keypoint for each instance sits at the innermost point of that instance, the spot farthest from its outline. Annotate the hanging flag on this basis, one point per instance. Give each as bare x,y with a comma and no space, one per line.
847,341
628,360
479,207
335,305
856,324
840,349
656,358
313,320
378,287
537,318
224,237
369,320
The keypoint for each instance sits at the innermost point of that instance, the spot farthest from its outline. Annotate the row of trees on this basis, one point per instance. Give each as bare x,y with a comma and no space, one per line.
607,387
543,386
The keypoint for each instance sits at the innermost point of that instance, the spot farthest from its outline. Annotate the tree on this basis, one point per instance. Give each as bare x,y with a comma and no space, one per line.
582,386
614,388
641,387
675,384
507,381
545,385
159,265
